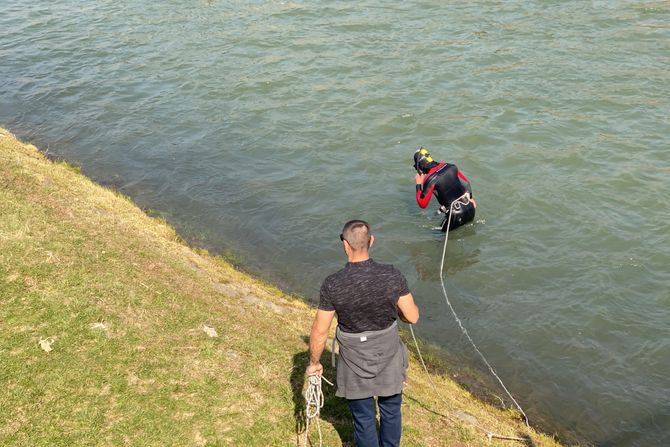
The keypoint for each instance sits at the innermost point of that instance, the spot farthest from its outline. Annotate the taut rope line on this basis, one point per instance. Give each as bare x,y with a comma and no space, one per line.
489,435
464,200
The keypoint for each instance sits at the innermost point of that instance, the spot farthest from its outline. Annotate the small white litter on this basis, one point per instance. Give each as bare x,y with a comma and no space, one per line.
209,331
45,344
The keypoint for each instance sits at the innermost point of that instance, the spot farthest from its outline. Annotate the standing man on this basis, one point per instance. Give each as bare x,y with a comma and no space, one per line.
448,184
367,298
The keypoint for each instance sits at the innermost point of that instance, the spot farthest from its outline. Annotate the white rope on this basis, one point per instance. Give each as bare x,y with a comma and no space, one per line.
490,435
313,404
464,200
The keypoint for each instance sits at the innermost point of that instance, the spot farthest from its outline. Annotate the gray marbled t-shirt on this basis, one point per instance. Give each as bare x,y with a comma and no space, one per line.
364,295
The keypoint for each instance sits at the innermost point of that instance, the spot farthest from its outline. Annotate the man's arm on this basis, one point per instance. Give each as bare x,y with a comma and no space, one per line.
317,340
408,311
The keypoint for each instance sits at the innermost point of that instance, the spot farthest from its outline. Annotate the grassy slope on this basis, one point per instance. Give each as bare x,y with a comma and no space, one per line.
73,254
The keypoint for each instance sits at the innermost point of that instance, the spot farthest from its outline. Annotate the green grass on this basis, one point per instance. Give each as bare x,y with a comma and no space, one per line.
125,300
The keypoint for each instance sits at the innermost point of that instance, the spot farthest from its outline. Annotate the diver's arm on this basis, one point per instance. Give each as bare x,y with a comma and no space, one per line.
465,182
423,194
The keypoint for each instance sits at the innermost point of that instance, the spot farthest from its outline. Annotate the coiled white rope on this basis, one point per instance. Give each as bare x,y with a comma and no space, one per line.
313,404
464,200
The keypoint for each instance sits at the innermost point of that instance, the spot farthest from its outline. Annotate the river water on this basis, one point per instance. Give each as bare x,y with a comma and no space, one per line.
257,128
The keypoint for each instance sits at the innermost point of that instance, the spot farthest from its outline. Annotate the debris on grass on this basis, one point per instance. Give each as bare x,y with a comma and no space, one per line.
210,331
45,344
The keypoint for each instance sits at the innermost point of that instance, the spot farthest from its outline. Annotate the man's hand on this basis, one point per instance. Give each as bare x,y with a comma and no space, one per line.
315,369
419,178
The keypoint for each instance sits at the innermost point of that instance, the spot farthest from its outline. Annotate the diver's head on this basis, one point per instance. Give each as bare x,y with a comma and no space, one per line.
423,162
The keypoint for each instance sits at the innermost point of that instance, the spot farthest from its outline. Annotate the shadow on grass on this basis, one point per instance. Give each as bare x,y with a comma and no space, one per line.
335,410
522,438
409,397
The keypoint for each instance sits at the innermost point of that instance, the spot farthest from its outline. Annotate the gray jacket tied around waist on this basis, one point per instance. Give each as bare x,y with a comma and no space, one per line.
371,363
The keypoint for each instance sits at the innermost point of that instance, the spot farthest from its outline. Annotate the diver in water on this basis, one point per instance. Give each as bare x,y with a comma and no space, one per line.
448,184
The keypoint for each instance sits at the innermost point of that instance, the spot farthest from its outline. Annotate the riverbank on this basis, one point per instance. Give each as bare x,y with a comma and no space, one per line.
115,332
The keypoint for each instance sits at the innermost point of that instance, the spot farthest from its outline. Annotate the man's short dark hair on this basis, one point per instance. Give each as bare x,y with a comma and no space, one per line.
357,233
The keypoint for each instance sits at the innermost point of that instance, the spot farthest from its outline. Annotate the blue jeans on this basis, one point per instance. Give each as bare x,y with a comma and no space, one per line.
365,422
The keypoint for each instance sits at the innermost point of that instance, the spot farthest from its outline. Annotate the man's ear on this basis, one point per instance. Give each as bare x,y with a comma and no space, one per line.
372,241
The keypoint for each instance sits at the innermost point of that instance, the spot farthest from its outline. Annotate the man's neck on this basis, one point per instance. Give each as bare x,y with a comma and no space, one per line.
358,256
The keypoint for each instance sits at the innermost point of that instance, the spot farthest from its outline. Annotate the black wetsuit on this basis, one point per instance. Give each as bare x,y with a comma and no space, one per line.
448,183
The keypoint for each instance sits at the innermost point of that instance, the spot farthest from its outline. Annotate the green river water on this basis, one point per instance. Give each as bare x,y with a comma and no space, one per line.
258,128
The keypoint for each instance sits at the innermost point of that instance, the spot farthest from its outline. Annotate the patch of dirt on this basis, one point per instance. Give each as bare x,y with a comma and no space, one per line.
226,289
276,308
